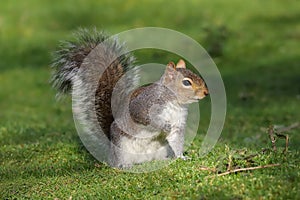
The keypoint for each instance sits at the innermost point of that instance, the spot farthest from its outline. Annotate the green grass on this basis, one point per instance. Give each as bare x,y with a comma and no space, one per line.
258,55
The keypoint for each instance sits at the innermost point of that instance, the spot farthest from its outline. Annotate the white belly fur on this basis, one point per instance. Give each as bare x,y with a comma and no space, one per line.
146,146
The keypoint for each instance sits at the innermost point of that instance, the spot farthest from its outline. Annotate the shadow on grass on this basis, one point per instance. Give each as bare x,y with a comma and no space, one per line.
275,79
38,153
42,160
286,19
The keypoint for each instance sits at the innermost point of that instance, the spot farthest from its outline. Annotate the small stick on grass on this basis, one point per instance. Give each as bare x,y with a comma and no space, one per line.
272,138
285,129
229,162
286,137
286,143
247,169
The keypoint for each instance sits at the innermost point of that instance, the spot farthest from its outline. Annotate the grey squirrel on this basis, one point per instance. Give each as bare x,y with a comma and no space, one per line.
153,126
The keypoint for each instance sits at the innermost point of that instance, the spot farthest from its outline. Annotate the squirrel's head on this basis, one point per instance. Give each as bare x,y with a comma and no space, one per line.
186,85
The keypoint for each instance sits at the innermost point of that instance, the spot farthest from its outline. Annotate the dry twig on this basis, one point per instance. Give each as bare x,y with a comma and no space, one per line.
272,138
247,169
286,137
285,129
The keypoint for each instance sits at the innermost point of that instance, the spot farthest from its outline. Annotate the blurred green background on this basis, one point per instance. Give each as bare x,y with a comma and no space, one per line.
255,45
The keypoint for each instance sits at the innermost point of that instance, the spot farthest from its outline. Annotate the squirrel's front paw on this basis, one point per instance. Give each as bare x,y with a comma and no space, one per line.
125,166
183,157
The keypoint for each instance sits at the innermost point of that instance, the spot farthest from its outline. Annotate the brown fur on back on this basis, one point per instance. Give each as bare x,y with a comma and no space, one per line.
103,95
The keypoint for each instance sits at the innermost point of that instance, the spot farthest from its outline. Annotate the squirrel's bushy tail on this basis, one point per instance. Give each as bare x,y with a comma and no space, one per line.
68,59
107,55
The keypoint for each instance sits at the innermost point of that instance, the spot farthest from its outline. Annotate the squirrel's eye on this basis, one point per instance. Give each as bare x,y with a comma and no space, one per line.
186,82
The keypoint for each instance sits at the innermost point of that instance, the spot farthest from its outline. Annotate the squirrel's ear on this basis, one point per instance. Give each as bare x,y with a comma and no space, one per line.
171,65
180,64
170,72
